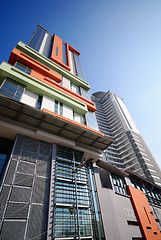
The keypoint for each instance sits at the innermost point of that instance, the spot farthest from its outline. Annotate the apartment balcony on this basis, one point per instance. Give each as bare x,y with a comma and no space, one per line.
125,145
115,131
131,159
133,165
130,148
127,155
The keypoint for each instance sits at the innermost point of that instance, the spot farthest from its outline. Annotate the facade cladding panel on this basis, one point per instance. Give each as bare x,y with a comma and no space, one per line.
26,187
129,152
54,184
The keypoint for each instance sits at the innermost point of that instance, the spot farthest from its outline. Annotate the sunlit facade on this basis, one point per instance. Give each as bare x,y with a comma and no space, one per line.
54,183
129,152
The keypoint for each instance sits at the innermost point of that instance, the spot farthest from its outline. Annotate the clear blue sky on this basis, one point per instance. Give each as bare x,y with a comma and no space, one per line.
120,45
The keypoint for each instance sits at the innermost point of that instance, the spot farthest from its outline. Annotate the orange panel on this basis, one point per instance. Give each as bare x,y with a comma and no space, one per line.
90,105
57,52
147,223
17,55
73,50
73,122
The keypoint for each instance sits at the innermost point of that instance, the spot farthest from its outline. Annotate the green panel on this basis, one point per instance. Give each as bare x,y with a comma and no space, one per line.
36,86
47,62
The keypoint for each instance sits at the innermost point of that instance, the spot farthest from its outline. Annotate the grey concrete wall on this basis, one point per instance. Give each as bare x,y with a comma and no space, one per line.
116,210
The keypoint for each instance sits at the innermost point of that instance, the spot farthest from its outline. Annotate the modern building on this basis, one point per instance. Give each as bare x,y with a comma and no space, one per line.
48,132
129,151
53,181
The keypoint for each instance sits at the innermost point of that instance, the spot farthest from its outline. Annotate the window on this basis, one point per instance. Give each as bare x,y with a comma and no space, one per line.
39,101
2,161
153,194
56,51
119,183
23,67
37,38
58,108
12,89
64,53
61,109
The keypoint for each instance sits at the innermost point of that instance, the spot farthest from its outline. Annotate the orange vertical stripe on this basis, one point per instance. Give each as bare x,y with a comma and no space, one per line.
146,220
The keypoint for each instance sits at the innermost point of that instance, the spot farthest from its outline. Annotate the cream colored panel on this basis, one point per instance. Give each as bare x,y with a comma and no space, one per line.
66,82
29,98
77,117
67,112
48,103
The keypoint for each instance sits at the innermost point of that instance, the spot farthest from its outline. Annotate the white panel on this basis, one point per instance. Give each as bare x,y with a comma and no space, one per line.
128,116
48,103
66,82
29,98
71,61
74,88
77,117
43,43
67,112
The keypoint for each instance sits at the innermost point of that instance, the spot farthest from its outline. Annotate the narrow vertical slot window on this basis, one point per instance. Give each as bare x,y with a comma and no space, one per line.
61,109
56,51
56,106
64,53
39,101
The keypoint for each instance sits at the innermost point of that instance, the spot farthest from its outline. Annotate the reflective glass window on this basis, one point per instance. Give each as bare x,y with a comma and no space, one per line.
37,38
2,161
64,53
23,67
12,89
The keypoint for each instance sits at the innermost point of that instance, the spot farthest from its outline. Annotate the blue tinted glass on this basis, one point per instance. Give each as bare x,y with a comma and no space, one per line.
91,120
48,47
64,54
56,106
37,39
11,90
23,67
56,51
85,94
80,71
39,101
2,161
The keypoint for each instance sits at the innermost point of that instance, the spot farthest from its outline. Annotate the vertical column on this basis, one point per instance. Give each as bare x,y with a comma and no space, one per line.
52,195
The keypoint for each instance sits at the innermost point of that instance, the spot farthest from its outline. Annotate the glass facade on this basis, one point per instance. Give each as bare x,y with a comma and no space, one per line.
75,212
37,38
12,89
119,184
23,67
153,194
86,94
39,101
64,53
91,120
3,158
79,67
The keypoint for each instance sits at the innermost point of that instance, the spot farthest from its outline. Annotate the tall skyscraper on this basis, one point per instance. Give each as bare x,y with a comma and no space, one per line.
129,152
48,138
53,181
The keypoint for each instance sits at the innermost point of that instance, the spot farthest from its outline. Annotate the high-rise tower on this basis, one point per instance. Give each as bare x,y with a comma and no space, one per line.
49,137
129,152
54,184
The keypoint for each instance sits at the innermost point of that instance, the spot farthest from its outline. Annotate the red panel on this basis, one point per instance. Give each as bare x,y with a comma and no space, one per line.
148,225
17,55
57,43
